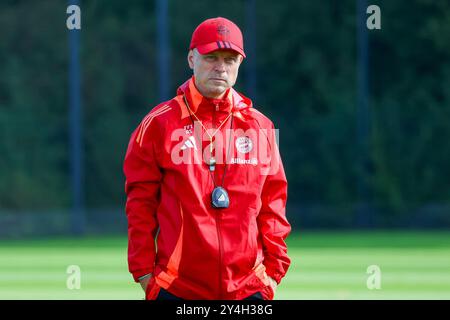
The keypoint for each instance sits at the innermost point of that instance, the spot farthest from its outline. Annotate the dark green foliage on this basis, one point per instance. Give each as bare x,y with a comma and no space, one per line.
306,82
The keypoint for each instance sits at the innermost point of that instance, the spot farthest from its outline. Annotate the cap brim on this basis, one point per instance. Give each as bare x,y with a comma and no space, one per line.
219,45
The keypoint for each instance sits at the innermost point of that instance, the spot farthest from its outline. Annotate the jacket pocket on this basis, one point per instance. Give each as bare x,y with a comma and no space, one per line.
262,278
267,291
152,290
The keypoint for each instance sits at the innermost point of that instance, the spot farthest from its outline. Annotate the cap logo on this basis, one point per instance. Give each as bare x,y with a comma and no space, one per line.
223,30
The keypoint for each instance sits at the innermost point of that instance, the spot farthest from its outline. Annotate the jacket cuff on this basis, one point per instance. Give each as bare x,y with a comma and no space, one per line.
277,276
140,273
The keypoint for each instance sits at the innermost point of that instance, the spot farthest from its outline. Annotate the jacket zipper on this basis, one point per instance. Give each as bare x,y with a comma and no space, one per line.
217,217
219,235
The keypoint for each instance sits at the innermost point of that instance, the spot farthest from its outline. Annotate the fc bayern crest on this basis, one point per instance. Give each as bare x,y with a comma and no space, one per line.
244,144
223,30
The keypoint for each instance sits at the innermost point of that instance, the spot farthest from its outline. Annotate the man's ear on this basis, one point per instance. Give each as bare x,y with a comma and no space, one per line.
190,58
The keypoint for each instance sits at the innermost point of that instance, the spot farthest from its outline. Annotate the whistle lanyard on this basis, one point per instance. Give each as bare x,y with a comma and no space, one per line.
212,161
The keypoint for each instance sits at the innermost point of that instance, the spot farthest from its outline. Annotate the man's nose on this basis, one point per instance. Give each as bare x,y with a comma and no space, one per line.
220,65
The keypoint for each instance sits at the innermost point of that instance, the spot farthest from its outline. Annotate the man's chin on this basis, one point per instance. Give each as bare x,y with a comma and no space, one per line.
216,91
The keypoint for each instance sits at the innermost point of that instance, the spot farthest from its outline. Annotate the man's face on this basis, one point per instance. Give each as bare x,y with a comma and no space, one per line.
214,72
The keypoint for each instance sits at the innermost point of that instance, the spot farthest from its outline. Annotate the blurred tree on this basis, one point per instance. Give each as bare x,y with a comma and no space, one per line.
306,60
33,118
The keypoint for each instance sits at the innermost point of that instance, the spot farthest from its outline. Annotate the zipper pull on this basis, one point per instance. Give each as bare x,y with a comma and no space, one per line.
217,107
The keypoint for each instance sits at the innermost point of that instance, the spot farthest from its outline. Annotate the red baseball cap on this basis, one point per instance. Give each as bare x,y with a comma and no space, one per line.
216,34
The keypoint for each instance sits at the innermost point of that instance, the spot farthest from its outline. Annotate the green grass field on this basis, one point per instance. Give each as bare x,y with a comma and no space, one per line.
414,265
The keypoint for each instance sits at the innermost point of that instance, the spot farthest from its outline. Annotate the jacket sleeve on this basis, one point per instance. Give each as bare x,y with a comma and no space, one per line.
142,187
272,223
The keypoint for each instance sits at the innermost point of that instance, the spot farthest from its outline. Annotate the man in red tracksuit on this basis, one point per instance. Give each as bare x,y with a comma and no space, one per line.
206,189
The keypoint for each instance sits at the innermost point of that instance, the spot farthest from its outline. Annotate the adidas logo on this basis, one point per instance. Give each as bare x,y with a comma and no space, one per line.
189,143
221,198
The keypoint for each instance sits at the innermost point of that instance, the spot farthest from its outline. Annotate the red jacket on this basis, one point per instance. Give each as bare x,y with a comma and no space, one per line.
202,252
